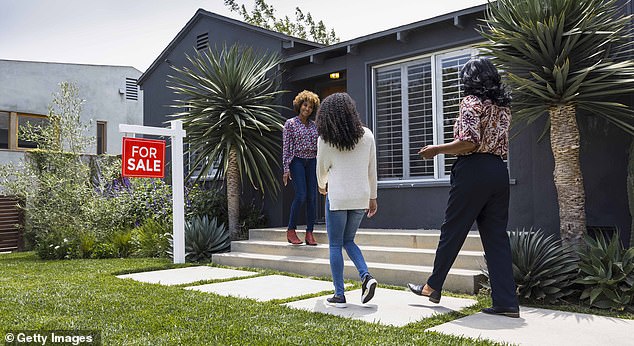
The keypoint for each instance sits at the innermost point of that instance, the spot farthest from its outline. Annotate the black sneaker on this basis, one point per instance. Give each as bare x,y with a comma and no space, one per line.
367,288
337,301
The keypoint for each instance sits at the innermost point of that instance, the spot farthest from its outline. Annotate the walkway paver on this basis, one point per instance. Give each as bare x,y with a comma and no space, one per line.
543,327
186,275
265,288
389,307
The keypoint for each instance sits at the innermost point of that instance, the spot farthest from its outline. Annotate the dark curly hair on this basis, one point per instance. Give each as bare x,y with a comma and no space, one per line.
480,78
306,96
338,122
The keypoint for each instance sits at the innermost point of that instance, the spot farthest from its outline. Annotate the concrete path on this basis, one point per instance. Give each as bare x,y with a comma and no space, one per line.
265,288
400,307
389,307
186,275
543,327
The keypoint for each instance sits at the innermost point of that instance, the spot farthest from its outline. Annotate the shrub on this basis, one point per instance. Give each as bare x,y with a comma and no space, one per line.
122,243
105,250
543,269
151,239
607,273
213,203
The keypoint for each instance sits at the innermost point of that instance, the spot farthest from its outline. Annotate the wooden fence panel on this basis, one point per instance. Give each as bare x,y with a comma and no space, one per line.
10,221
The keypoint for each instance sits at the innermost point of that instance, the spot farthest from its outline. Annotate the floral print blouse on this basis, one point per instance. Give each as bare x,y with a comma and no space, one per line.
299,140
484,124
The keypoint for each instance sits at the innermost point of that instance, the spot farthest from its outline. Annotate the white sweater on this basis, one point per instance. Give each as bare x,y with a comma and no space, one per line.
350,174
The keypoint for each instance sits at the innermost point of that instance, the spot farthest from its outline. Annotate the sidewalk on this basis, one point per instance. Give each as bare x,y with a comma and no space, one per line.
398,308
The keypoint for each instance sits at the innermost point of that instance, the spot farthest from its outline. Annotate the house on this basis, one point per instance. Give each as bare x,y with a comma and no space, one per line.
26,91
405,83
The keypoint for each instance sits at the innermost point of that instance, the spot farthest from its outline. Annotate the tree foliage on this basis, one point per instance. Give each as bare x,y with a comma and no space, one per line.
232,118
304,26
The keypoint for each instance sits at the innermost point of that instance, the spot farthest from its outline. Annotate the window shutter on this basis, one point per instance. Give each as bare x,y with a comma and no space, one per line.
421,122
451,93
389,113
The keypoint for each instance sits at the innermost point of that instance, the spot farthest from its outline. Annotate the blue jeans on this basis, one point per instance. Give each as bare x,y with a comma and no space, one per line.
304,179
342,226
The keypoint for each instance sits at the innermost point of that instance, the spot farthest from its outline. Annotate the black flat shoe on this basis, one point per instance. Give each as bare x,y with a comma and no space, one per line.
512,313
434,297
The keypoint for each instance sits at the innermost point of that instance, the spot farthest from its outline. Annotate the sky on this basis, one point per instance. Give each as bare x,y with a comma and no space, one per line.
135,32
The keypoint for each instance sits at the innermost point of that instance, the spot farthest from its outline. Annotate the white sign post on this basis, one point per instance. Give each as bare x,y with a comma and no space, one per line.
176,133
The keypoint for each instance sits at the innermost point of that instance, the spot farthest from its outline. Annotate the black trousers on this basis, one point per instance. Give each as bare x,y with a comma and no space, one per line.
479,193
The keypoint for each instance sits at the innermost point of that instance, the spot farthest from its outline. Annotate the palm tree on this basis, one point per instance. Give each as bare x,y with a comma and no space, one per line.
231,118
561,57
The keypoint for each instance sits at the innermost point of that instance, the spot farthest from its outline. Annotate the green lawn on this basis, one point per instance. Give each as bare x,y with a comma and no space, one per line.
85,294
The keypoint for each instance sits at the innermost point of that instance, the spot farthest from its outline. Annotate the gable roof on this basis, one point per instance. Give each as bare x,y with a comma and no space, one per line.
203,13
396,32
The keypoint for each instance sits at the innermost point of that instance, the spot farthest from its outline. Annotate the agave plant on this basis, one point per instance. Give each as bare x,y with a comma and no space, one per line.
607,272
543,268
204,237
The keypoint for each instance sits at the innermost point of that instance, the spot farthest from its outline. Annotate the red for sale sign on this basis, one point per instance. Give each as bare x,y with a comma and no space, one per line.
143,158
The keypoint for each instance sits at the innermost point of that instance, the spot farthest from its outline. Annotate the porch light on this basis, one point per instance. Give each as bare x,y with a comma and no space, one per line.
334,75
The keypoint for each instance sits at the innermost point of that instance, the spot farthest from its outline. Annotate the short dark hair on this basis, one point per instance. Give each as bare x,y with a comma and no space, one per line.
480,78
338,122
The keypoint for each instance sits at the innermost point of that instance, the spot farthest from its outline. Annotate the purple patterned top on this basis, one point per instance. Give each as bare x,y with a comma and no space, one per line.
484,124
299,141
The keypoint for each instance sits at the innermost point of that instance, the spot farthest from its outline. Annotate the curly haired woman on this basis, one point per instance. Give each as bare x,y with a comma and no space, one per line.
298,157
346,174
479,186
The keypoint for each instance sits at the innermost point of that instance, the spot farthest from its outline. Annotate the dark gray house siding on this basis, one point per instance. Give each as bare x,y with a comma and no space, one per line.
421,203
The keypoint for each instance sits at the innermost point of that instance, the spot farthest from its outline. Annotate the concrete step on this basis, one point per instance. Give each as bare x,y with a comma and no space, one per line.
458,280
416,239
473,260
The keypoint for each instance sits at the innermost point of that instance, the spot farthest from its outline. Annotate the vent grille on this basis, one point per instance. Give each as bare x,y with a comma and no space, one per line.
202,41
131,89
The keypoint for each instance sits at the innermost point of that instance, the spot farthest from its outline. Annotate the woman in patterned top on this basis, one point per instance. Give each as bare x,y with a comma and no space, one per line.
479,186
299,160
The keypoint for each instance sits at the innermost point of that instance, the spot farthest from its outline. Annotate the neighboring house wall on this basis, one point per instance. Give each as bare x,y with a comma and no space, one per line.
28,87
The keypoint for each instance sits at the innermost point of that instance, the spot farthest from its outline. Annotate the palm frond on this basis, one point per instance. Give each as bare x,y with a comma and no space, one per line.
563,52
229,99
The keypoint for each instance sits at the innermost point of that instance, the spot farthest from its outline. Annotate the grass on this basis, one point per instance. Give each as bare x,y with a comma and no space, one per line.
85,294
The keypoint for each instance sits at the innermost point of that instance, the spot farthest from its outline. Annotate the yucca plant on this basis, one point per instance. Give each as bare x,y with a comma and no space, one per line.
607,272
231,117
561,56
203,238
543,268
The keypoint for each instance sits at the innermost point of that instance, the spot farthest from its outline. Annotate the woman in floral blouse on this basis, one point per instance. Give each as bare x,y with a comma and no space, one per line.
299,160
479,186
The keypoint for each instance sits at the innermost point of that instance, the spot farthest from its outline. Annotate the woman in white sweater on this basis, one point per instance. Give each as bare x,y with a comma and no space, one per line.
346,174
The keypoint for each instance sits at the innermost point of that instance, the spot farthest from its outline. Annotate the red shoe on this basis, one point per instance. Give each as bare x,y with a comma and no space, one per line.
292,238
310,240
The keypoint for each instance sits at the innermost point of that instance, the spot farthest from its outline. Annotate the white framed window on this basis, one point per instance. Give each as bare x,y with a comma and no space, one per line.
415,103
196,171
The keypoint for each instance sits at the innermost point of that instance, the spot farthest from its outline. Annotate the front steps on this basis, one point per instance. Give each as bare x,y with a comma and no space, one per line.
393,257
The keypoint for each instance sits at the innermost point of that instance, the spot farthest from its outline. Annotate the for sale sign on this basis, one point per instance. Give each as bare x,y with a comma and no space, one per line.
143,158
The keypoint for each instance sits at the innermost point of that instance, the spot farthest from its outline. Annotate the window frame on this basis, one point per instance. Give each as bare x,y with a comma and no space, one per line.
104,137
434,58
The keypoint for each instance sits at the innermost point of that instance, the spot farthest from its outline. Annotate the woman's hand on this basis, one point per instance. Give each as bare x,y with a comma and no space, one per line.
286,177
372,207
429,151
323,191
